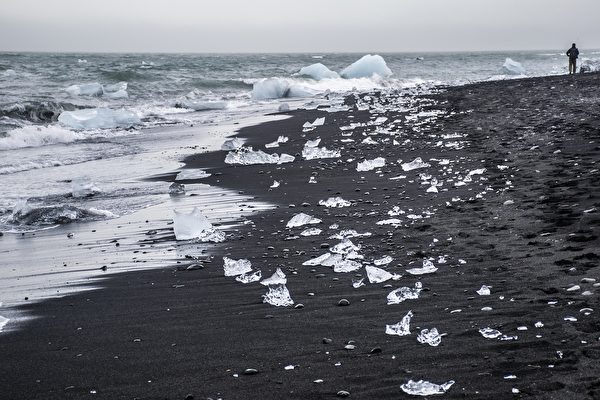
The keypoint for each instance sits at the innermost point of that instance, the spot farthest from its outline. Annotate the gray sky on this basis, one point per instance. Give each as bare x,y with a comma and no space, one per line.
296,26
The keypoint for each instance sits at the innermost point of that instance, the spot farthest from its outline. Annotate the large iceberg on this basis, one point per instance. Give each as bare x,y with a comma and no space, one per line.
513,67
318,71
98,118
366,67
248,156
195,225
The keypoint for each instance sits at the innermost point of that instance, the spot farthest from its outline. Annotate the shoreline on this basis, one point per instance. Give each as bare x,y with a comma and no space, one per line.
169,333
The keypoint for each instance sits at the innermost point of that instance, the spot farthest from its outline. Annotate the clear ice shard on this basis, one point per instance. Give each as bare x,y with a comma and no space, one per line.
233,267
177,188
248,156
383,260
378,275
369,165
415,164
278,295
404,293
424,388
427,268
249,278
315,123
302,219
278,278
349,233
312,143
192,174
195,225
313,153
402,328
334,202
232,144
484,291
311,232
430,336
344,247
490,333
346,266
317,260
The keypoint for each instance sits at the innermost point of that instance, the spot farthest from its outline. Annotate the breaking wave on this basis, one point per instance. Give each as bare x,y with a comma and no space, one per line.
37,112
35,136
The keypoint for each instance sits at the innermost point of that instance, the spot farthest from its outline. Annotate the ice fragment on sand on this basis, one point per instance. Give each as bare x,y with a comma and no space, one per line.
278,278
345,265
83,187
312,179
404,293
356,283
195,225
192,174
302,219
232,144
311,232
317,260
484,291
348,233
369,165
313,153
249,278
369,140
344,247
430,336
391,221
513,67
233,267
315,123
383,261
490,333
366,67
427,268
479,171
402,328
248,156
318,71
378,275
98,118
415,164
278,295
424,388
334,202
280,139
3,322
312,143
275,185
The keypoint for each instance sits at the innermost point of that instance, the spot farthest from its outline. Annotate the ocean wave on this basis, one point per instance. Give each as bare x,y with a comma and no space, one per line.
24,214
205,83
35,136
37,111
127,76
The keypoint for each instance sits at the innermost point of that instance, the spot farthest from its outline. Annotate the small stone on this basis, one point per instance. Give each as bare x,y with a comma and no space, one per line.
376,350
299,305
70,235
189,397
269,316
349,347
343,393
343,303
327,340
324,245
250,371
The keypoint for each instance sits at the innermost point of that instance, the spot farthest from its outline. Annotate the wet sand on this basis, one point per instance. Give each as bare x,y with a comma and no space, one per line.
516,210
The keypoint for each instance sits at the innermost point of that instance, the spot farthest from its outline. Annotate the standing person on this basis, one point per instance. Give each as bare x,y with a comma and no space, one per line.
573,53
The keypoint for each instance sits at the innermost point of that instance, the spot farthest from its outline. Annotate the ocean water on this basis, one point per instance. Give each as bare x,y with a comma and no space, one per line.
113,119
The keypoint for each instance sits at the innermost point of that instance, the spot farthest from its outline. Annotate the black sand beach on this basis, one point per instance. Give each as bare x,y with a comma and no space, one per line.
522,220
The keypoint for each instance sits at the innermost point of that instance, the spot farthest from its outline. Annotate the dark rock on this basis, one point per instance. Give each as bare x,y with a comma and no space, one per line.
343,393
343,302
250,371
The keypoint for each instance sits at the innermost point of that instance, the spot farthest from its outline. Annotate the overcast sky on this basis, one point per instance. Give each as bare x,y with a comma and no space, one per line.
296,26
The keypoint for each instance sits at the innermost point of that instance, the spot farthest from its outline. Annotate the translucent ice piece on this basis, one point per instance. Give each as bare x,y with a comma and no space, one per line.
383,260
312,143
313,153
369,165
249,278
430,336
315,123
402,328
274,185
317,260
476,171
233,267
415,164
344,247
404,293
286,158
349,233
192,174
427,268
424,388
366,67
311,232
278,295
378,275
484,291
232,144
3,322
334,202
346,266
278,278
391,221
302,219
356,283
490,333
195,225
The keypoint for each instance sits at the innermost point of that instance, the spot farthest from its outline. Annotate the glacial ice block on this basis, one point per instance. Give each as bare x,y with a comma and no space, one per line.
249,278
424,388
248,156
278,278
513,67
192,174
369,165
334,202
402,328
378,275
232,144
86,89
366,67
428,268
404,293
233,267
313,153
302,219
415,164
195,225
98,118
279,296
430,336
318,71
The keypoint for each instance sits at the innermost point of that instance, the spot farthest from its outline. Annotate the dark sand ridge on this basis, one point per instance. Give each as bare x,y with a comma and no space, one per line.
168,333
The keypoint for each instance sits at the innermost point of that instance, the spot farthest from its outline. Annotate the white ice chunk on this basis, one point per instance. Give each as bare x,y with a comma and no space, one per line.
402,328
366,67
280,139
383,260
424,388
484,291
283,107
344,247
278,295
248,156
513,67
86,89
232,144
275,185
313,153
318,72
202,105
83,187
233,267
317,260
312,143
349,233
278,278
478,171
249,278
430,336
404,293
378,275
195,225
98,118
415,164
311,232
3,322
490,333
369,165
391,221
335,202
302,219
369,140
427,268
346,266
192,174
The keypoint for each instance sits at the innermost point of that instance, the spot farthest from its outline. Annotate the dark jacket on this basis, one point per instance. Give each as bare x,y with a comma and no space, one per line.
573,53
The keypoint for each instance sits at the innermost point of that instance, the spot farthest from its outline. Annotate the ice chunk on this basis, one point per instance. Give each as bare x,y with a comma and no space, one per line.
378,275
119,94
590,66
247,156
201,105
313,153
383,260
276,88
391,221
302,219
312,179
312,143
415,164
356,283
249,278
236,267
317,260
369,165
232,144
278,295
274,185
346,266
283,107
86,89
430,336
3,322
427,268
478,171
402,328
311,232
192,174
195,225
318,71
404,293
369,140
335,202
366,67
424,388
286,158
345,247
484,291
348,233
83,187
98,118
278,278
513,67
176,188
280,139
490,333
